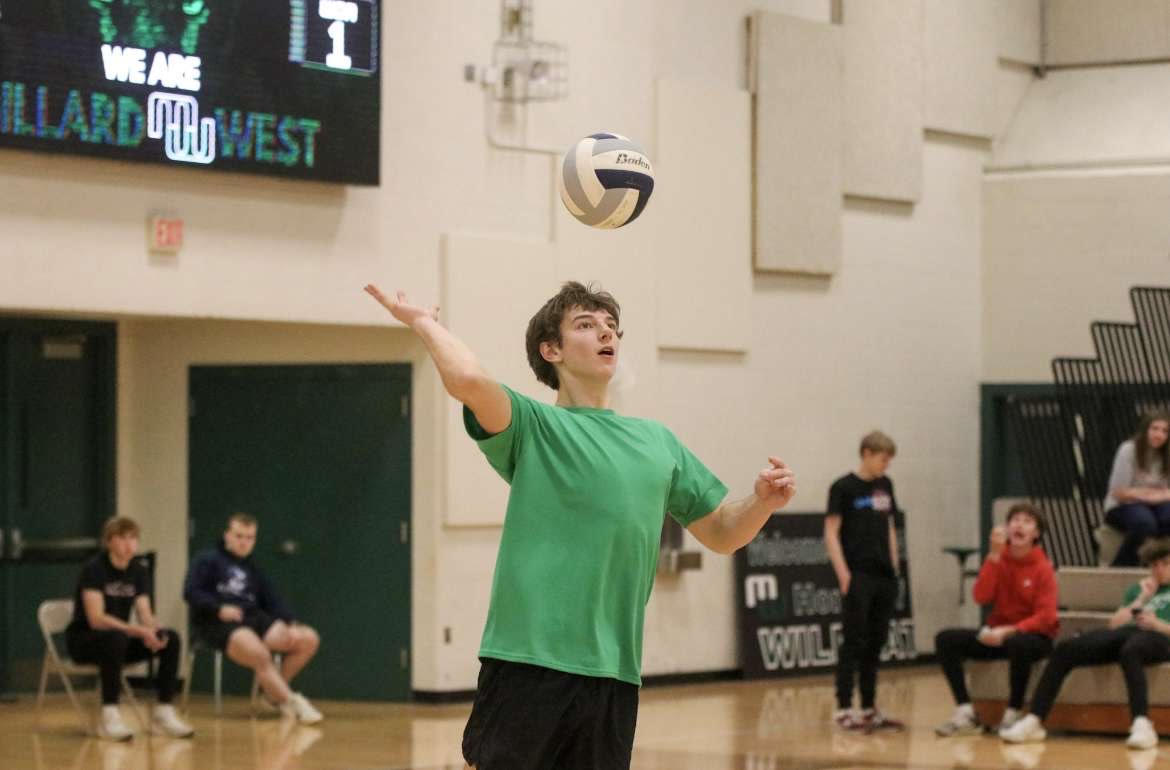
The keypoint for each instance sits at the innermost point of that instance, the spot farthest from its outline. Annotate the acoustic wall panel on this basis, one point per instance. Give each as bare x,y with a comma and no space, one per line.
1093,32
489,288
702,223
883,99
796,79
1019,26
960,66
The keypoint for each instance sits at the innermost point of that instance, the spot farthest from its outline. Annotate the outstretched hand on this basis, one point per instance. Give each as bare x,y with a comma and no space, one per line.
400,307
776,484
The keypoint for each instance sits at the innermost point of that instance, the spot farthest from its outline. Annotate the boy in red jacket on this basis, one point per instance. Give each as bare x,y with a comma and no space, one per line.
1018,582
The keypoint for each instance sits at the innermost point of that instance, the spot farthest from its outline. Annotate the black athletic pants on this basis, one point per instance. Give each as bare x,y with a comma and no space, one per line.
954,645
111,650
1129,645
865,625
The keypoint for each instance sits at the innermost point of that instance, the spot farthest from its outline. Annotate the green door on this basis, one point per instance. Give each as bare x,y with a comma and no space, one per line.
321,456
56,472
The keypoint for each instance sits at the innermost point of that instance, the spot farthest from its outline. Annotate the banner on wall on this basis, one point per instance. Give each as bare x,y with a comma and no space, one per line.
790,604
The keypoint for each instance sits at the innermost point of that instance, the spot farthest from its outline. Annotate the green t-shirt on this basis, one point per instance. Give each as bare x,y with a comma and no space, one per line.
1159,603
579,549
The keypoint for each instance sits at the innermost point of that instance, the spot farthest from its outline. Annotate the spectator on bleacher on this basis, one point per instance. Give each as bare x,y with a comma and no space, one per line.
1138,636
1018,582
1138,500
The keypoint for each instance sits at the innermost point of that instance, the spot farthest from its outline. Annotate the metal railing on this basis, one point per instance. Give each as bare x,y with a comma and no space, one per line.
1067,441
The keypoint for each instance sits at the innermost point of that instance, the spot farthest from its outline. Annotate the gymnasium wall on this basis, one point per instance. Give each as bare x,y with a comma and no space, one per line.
1077,189
153,360
739,363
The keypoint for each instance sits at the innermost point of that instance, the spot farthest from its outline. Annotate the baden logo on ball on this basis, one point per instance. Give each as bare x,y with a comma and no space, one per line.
605,180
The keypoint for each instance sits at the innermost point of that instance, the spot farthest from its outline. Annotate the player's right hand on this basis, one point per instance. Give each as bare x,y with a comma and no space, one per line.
229,613
997,541
844,579
400,307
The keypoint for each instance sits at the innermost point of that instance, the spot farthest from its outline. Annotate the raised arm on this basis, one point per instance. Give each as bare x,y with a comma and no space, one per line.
462,375
733,524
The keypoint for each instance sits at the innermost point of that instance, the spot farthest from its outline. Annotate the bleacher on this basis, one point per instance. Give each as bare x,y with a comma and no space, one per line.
1067,443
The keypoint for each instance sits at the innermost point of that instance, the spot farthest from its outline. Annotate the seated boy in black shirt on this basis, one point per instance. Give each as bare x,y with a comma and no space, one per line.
111,584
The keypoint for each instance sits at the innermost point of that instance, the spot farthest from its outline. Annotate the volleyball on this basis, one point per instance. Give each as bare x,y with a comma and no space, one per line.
605,181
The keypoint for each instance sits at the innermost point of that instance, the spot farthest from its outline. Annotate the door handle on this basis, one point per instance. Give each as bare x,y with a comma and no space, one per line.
50,550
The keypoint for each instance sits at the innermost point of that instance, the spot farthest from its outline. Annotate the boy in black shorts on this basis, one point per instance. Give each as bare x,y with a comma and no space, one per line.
863,548
562,649
236,609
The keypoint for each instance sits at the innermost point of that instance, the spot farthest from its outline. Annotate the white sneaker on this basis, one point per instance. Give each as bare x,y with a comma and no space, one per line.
847,719
1027,730
298,707
1009,718
1022,756
1142,760
962,722
111,727
167,722
1142,735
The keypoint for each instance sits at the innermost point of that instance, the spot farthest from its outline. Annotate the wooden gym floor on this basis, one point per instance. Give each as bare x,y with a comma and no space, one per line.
778,725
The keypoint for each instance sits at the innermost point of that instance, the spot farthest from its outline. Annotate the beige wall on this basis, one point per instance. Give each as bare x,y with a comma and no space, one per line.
893,340
1061,250
154,357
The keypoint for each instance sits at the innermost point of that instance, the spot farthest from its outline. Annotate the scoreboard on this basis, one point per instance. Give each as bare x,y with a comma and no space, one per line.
288,88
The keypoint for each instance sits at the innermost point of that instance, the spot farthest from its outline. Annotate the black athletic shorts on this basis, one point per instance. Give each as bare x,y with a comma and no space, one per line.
534,718
217,634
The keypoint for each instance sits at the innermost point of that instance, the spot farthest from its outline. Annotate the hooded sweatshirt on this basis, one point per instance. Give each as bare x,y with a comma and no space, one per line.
218,577
1022,592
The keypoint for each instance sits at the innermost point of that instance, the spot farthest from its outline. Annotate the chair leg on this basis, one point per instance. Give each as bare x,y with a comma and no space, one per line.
44,684
88,724
187,679
134,705
218,682
255,690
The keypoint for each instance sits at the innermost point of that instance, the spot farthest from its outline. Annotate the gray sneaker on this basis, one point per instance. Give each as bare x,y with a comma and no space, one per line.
960,723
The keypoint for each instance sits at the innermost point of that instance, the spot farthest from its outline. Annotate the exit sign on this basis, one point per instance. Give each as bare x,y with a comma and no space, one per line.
165,234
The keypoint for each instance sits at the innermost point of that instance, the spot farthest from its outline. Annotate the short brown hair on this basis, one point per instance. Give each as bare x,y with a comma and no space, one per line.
876,441
545,326
1154,549
244,520
1028,510
118,526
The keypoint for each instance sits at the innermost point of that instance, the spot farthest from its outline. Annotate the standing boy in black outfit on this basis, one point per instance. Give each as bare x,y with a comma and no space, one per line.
863,547
111,584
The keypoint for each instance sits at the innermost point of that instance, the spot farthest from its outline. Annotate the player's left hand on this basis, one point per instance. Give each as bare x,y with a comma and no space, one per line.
776,484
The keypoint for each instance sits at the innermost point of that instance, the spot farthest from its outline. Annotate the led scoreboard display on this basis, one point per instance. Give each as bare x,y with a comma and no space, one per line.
289,88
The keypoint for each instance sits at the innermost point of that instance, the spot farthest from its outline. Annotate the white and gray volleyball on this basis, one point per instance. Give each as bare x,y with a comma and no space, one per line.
606,180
